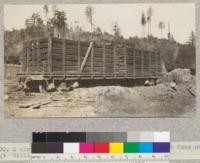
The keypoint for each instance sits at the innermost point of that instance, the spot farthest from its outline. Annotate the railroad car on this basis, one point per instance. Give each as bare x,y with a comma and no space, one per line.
58,60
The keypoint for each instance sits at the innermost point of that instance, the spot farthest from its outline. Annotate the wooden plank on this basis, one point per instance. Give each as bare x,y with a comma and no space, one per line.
50,55
134,74
92,60
79,55
86,56
159,63
104,59
23,68
156,64
64,54
100,59
38,55
72,42
125,59
27,58
150,63
142,62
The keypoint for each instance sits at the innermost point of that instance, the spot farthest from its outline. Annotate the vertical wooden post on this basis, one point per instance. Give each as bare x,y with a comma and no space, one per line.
92,61
104,60
125,59
23,61
142,63
160,64
79,56
134,67
34,54
50,66
43,67
149,63
27,56
114,60
64,55
38,55
156,63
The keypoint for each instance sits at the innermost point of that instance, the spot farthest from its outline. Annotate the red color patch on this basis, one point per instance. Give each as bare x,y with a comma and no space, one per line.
101,147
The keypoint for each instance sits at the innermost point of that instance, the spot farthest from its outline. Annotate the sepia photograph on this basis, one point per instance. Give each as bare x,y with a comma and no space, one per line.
99,60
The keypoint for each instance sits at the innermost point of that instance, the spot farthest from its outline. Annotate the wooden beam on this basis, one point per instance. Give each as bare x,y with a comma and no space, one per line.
79,56
38,55
149,63
27,56
114,60
142,63
134,58
125,59
63,57
92,61
160,63
86,56
156,63
50,55
104,60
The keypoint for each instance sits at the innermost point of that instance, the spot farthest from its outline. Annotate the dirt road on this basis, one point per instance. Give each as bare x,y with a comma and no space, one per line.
104,101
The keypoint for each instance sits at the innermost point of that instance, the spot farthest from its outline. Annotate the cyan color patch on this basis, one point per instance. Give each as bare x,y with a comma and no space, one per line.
146,147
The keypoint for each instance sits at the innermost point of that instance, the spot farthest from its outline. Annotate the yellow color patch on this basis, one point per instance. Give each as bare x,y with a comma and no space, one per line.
116,147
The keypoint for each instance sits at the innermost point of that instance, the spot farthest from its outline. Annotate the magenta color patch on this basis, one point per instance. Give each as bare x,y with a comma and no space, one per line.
86,147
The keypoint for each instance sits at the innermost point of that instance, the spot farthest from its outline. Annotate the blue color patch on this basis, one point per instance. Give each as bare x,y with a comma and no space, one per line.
146,147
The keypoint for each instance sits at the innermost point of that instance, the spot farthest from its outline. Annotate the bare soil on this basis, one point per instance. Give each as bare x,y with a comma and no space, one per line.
104,101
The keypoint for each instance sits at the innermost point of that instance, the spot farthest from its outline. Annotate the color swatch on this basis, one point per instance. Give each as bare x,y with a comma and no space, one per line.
131,147
116,148
101,142
101,147
86,148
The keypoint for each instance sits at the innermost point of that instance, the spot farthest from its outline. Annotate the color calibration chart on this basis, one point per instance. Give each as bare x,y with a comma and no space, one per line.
131,147
100,146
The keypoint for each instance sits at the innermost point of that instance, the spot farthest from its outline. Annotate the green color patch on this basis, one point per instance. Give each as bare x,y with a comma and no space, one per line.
131,147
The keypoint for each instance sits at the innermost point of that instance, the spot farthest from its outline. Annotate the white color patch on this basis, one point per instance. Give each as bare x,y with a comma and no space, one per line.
71,147
161,137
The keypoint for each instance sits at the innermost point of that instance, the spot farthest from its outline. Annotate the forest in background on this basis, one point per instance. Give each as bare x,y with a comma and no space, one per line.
174,54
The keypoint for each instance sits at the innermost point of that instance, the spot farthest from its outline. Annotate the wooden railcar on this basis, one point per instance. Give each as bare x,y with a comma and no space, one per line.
62,59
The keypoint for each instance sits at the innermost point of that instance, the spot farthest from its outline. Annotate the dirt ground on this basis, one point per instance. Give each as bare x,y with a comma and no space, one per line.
104,101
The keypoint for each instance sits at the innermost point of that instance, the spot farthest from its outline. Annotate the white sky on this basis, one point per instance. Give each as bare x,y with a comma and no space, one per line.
180,16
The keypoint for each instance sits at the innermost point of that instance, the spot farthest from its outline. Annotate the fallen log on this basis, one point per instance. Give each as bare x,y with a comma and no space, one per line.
26,105
37,106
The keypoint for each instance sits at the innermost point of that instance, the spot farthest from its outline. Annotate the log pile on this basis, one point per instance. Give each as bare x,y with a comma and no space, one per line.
61,56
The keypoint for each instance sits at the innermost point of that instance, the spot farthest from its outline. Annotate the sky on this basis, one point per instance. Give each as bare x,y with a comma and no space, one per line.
180,17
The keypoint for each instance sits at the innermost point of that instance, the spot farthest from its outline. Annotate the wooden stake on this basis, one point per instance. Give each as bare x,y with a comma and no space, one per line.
27,56
64,54
104,59
50,55
79,56
149,63
38,55
142,63
114,58
92,61
134,51
125,60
